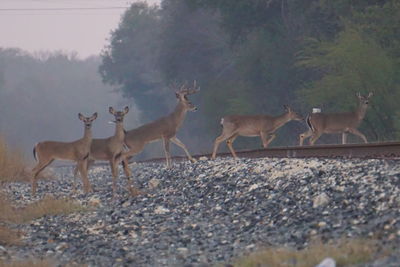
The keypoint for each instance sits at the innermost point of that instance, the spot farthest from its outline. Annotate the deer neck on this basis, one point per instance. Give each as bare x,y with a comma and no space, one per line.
361,110
87,134
178,115
119,130
281,120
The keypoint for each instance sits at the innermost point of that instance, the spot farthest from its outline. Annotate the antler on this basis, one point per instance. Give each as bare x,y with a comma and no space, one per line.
184,89
195,89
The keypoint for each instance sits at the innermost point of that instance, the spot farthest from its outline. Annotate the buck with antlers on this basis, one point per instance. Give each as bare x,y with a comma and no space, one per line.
46,152
347,122
264,126
111,148
164,129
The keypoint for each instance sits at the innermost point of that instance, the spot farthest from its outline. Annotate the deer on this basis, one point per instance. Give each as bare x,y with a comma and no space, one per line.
164,128
328,123
111,148
47,151
264,126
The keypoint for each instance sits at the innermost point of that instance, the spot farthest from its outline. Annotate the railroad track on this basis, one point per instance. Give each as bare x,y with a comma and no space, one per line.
384,150
387,150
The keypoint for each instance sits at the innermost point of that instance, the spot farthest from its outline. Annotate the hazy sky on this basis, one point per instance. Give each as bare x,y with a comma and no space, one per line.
76,27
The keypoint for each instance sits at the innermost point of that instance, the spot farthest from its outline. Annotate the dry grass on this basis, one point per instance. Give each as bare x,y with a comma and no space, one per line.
13,165
9,237
344,252
135,192
46,206
28,263
38,263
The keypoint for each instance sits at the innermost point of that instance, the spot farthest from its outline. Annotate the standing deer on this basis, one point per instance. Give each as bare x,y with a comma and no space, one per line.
46,152
346,122
110,148
264,126
165,129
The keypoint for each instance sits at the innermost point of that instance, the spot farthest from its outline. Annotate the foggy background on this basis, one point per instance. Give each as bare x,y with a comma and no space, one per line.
41,96
49,59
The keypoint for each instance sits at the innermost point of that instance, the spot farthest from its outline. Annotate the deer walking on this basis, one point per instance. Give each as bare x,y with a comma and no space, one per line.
111,148
165,129
346,122
46,152
264,126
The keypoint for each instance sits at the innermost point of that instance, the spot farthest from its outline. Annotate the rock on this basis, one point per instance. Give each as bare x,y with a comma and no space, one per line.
328,262
153,183
203,158
161,210
212,212
321,200
94,201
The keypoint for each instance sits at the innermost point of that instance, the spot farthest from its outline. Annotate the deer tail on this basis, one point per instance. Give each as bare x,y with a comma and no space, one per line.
34,152
309,123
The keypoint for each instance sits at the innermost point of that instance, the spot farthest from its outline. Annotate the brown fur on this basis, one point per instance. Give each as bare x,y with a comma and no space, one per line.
252,125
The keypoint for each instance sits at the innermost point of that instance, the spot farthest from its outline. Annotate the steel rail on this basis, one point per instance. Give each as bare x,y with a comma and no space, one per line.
388,150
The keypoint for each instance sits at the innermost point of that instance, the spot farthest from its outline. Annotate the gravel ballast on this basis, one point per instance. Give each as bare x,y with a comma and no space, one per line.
213,211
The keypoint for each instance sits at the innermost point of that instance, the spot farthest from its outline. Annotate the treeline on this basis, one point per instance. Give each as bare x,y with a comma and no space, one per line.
253,56
42,94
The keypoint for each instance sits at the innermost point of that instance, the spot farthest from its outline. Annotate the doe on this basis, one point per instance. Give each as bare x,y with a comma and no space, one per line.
252,125
46,152
345,122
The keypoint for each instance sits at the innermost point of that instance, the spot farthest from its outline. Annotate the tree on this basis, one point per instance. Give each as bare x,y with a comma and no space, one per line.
130,61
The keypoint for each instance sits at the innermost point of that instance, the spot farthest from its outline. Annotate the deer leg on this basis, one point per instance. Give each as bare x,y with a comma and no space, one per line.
264,139
127,170
177,142
304,136
314,137
217,142
344,138
88,163
134,149
36,170
114,172
83,166
359,134
166,150
75,178
225,135
229,143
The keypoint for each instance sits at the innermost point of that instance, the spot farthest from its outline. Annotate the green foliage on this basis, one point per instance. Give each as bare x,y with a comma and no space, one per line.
130,61
252,56
352,63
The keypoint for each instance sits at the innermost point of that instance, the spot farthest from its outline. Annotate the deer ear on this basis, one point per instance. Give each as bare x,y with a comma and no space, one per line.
285,107
80,116
370,94
94,116
126,109
177,94
111,110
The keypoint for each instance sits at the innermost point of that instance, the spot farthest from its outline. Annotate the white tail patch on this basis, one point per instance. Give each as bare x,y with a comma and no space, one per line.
35,155
316,110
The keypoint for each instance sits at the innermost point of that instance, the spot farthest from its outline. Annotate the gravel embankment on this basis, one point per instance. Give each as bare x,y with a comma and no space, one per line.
214,211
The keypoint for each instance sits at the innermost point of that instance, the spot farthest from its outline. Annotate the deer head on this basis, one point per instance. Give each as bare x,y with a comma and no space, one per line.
292,114
119,115
182,94
87,120
364,100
